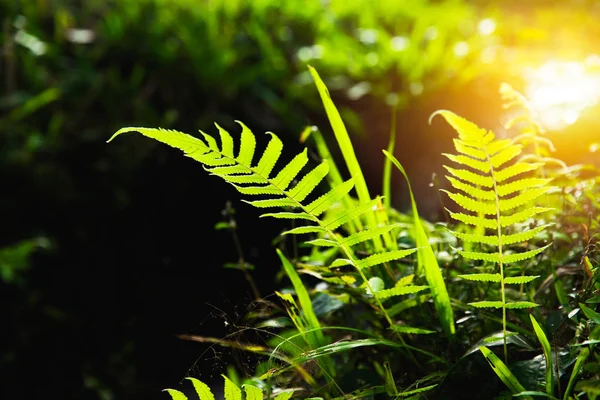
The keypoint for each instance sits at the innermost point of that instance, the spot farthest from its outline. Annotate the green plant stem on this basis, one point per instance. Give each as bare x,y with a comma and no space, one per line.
499,230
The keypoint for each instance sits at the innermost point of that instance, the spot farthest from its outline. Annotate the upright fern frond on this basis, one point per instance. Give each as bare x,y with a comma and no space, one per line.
493,190
278,190
230,390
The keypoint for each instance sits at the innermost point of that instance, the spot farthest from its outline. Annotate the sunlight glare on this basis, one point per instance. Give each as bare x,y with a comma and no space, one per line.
559,91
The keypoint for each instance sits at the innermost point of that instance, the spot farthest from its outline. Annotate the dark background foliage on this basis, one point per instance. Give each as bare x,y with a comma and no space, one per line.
109,251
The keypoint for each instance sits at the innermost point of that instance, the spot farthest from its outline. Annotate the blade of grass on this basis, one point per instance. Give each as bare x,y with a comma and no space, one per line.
334,177
387,163
503,372
343,139
584,353
315,338
547,354
427,261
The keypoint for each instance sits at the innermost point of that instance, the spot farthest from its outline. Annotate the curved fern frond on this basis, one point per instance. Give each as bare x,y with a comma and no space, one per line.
231,391
495,193
288,189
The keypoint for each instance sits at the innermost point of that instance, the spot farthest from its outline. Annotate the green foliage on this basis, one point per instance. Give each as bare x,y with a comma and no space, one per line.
231,391
355,311
488,191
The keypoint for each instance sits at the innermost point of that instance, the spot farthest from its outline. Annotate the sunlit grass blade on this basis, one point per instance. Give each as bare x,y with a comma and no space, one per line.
584,353
502,371
315,338
347,150
387,163
427,261
547,353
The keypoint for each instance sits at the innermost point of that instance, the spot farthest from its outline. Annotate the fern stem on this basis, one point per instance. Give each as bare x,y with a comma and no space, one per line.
501,265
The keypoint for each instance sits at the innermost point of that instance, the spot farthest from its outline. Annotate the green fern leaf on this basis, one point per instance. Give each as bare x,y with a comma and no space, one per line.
226,142
473,220
253,393
399,291
202,389
471,190
512,258
257,190
289,172
232,392
248,144
471,177
486,304
472,205
482,277
516,169
176,394
523,236
518,280
289,215
367,234
323,242
381,258
476,238
521,304
248,179
318,206
497,146
509,188
270,156
341,262
476,255
304,229
463,148
287,395
469,162
521,216
282,202
309,182
522,199
337,220
505,155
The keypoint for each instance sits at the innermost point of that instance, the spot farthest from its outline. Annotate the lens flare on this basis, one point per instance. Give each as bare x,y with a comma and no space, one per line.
560,91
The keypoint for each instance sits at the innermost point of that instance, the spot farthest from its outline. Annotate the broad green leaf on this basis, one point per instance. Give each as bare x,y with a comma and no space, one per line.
502,371
547,354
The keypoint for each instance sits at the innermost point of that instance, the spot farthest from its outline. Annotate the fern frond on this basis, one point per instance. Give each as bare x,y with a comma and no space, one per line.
365,235
304,229
335,221
484,192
